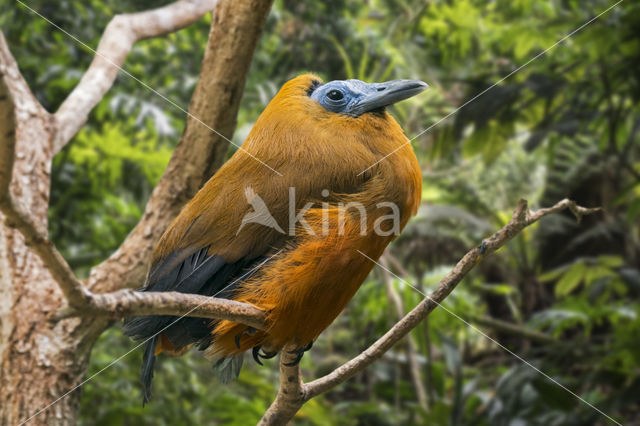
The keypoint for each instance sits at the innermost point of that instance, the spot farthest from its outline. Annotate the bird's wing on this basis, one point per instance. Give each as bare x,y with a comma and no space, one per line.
209,249
199,273
233,223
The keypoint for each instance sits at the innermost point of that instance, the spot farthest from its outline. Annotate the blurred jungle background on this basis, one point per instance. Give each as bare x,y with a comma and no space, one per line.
562,295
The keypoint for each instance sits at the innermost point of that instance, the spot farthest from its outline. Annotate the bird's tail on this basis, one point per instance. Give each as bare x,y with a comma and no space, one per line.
228,368
148,362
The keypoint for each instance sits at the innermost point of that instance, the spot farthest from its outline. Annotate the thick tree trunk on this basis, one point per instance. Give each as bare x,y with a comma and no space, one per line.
41,362
38,362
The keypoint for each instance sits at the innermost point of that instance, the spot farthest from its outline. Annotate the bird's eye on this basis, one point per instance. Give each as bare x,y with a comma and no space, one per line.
335,95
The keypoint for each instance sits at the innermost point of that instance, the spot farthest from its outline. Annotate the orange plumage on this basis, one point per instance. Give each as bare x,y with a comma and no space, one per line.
312,274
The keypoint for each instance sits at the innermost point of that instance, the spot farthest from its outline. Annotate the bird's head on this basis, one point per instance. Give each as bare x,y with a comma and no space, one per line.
306,100
354,98
341,124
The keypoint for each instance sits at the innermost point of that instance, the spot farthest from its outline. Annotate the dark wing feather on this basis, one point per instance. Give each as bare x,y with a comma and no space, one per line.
182,270
148,362
198,273
222,284
188,276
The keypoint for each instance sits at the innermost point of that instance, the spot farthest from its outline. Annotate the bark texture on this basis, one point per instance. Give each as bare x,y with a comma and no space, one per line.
37,362
122,303
235,29
41,360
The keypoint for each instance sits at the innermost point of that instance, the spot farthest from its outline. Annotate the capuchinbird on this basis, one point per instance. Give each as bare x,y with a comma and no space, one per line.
293,238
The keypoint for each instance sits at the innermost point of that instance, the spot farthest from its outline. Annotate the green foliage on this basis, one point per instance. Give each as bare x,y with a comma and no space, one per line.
117,159
186,392
581,271
104,154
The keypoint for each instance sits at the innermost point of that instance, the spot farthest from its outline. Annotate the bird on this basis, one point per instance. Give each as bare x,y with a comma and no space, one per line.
325,179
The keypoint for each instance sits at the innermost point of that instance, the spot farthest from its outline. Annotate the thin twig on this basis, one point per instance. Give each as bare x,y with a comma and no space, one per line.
412,352
520,219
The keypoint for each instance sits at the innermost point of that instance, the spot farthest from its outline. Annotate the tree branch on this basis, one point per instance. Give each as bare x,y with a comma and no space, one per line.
520,219
7,126
122,32
291,394
235,29
14,88
125,303
18,217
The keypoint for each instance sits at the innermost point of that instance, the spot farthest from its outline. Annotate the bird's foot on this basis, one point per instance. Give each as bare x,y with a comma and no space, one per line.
299,353
249,331
264,355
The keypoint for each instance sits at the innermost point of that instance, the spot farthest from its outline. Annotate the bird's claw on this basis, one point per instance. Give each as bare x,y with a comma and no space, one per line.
264,355
268,355
248,331
259,356
302,350
299,354
296,361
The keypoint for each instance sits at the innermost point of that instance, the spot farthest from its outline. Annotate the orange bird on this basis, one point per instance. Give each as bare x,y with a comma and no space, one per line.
291,243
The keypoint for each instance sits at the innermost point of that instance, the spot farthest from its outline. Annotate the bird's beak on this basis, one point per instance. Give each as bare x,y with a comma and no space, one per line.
378,95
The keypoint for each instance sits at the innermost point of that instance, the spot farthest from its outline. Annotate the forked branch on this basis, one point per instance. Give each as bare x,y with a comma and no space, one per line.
234,33
17,104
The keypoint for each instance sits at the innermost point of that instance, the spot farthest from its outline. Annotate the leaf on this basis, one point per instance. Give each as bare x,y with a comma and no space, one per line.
552,275
610,261
594,273
619,287
348,66
571,279
502,289
634,211
552,394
